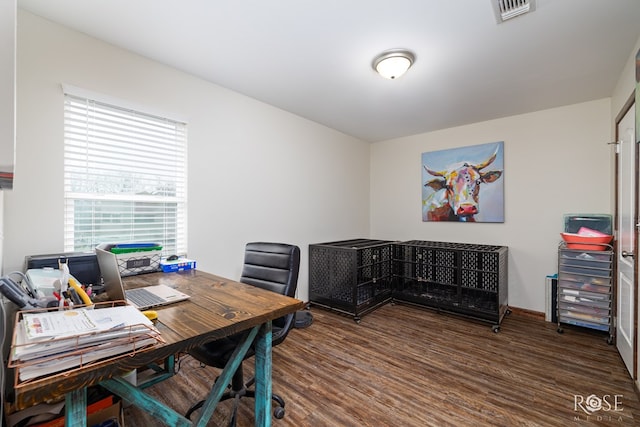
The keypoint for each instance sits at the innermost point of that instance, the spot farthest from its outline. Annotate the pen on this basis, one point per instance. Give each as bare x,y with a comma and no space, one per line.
74,296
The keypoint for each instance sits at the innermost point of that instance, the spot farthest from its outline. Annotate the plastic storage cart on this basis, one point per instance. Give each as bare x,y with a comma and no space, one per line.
465,279
350,276
585,287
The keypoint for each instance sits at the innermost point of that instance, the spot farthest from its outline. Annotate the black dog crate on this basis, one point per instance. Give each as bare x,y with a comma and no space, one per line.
466,279
351,276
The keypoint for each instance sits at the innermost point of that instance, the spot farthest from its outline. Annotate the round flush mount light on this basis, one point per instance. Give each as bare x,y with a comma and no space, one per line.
391,64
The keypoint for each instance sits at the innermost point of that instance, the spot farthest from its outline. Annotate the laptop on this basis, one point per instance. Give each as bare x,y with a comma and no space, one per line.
141,298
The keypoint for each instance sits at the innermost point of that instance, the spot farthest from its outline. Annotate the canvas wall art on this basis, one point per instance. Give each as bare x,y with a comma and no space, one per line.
464,184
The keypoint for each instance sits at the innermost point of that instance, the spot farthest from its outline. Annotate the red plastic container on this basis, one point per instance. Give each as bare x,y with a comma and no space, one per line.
586,243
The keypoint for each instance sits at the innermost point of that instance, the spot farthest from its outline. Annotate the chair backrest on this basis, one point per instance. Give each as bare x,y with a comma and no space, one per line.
273,266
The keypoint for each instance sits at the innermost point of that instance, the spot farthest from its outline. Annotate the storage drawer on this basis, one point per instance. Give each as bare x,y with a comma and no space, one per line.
604,273
581,286
577,300
582,297
585,324
586,256
576,262
585,309
600,320
601,281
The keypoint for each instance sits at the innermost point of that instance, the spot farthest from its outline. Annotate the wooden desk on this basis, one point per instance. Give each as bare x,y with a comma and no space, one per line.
217,308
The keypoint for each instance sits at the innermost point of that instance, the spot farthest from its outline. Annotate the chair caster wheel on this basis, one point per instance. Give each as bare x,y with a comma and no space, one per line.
278,412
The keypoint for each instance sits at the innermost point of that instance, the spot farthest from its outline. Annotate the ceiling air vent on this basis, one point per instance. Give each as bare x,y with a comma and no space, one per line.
507,9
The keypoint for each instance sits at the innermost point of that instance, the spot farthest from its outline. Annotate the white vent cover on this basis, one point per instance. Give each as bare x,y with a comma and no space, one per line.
507,9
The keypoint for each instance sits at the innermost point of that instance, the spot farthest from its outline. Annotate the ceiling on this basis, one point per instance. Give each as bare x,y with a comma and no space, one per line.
313,58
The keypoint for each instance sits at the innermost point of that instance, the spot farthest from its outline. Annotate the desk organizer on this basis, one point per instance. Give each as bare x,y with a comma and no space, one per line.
40,359
135,258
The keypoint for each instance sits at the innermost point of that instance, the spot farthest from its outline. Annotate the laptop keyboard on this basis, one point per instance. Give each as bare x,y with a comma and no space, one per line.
143,298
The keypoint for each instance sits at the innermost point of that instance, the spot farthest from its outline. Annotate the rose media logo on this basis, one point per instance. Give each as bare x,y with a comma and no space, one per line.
597,408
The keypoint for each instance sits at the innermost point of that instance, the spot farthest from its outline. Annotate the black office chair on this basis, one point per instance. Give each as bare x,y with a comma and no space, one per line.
272,266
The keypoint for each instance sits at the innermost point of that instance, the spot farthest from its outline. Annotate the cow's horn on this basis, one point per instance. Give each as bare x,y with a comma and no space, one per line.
434,173
488,161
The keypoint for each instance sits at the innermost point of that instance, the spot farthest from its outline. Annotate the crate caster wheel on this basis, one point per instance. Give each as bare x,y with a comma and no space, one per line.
495,329
357,320
610,340
560,330
508,312
278,412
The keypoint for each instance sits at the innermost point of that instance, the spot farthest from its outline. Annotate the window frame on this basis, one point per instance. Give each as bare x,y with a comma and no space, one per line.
131,165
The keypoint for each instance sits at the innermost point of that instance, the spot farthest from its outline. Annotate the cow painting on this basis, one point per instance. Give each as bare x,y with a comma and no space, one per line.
454,192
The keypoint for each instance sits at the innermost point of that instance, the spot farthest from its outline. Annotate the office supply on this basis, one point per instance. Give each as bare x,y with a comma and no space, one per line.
205,317
79,291
47,342
82,265
16,294
135,258
151,314
125,248
270,266
44,279
142,298
177,264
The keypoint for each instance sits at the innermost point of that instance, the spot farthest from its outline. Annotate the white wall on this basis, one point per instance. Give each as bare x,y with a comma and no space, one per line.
255,172
7,83
7,96
556,162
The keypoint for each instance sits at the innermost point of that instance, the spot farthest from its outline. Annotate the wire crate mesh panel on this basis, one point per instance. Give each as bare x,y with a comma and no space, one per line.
350,275
422,292
342,279
374,264
475,300
468,278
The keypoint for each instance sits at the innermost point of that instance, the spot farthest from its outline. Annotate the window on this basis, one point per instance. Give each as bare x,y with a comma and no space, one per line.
124,177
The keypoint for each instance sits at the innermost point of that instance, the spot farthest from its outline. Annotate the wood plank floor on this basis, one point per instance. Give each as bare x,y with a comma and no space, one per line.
408,366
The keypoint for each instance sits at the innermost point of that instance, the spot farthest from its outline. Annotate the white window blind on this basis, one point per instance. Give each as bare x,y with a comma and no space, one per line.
124,177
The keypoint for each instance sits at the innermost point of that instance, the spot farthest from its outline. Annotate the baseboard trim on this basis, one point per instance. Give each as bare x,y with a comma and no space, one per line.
528,313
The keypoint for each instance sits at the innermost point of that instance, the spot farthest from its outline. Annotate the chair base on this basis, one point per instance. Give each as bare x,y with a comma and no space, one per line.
278,411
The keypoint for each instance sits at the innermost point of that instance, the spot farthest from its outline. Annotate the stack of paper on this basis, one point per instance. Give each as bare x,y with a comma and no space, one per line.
54,341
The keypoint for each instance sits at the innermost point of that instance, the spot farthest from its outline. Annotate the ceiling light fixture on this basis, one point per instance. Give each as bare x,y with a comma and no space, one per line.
391,64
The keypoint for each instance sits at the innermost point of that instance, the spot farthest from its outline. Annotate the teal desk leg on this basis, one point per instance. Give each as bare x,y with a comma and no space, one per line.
76,408
170,417
263,376
161,373
145,402
224,379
